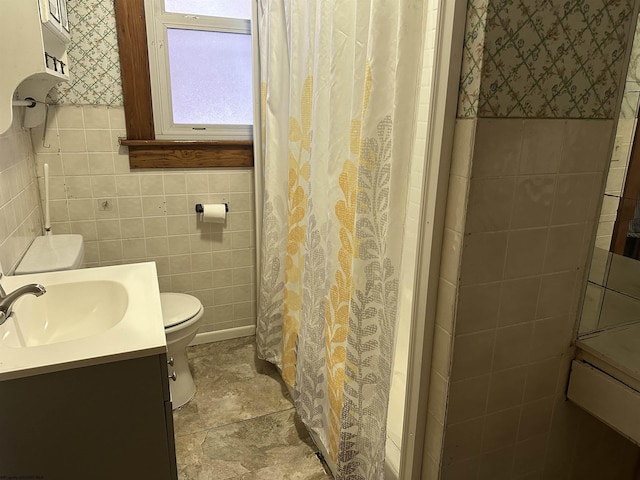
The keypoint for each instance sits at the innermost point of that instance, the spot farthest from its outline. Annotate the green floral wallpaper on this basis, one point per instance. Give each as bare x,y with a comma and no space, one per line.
543,58
94,64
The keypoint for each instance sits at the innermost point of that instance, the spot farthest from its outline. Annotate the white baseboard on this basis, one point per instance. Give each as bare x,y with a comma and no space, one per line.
219,335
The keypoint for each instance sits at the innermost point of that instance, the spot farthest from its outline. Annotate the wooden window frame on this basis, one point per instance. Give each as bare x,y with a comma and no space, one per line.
144,150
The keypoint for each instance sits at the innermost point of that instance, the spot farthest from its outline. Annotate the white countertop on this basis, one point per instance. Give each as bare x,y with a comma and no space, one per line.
140,333
615,349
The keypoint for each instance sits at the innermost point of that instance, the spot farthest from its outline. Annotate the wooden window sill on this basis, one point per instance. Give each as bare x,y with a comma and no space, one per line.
189,154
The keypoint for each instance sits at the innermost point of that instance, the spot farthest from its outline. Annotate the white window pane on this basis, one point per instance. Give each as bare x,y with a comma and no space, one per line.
210,77
215,8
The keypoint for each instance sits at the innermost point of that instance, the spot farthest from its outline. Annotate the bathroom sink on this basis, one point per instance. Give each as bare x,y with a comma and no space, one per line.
86,317
68,311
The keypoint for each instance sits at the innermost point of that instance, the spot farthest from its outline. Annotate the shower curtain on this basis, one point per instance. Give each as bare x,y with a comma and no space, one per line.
338,82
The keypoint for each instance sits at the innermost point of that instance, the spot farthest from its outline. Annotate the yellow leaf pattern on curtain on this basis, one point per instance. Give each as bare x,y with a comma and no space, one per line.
300,135
337,305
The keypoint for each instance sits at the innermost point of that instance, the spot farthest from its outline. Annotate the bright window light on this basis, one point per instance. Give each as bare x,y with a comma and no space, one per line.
210,77
214,8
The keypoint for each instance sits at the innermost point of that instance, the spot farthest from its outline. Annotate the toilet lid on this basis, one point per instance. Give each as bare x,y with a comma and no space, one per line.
178,308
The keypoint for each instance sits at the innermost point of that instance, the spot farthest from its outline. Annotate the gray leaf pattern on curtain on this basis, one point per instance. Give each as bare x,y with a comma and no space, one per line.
269,322
309,395
372,319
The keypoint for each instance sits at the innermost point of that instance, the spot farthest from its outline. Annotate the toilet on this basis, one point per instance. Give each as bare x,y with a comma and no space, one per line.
181,313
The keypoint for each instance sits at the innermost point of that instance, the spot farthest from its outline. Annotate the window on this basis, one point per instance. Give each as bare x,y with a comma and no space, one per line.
200,63
188,95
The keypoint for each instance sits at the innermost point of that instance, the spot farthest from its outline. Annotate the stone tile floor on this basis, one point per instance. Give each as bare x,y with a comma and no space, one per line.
241,424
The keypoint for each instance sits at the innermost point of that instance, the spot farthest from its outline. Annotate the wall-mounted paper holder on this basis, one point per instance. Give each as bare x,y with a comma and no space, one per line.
200,209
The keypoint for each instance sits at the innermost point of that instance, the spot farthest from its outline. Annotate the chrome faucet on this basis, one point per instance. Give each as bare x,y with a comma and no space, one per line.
8,299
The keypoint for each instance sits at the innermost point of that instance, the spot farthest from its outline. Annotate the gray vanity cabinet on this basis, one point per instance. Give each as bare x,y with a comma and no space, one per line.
107,421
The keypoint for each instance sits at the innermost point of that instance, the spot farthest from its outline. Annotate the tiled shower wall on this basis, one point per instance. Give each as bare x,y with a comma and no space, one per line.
530,153
20,219
130,216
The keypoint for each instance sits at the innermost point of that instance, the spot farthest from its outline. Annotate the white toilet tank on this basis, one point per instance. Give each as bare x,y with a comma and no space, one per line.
51,253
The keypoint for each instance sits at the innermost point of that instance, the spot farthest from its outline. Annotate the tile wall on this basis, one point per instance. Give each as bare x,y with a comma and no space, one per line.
532,199
130,216
525,186
20,220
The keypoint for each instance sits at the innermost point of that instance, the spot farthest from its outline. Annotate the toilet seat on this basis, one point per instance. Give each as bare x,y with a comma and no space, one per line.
178,308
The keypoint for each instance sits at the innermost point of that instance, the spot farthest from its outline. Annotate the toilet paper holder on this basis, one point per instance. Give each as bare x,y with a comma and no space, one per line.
200,209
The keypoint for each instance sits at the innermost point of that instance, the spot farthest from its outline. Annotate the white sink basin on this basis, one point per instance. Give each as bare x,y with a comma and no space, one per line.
86,317
67,311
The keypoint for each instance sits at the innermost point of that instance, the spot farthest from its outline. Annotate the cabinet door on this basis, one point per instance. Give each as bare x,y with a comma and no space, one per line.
100,422
168,410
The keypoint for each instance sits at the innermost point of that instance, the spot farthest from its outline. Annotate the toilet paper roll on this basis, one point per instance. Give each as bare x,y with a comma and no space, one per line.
214,212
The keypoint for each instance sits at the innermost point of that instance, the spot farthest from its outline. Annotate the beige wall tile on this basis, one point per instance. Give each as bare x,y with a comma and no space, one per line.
563,252
77,187
506,389
573,194
533,201
525,253
472,355
437,400
103,186
586,145
218,182
434,437
541,146
498,144
197,183
462,441
463,470
490,204
552,337
456,203
181,283
477,307
155,226
446,305
95,117
101,163
535,419
134,248
179,244
557,295
518,301
175,183
108,229
463,147
468,399
75,163
483,257
541,379
151,184
450,260
512,346
500,429
441,358
497,464
97,141
116,117
72,141
530,457
130,207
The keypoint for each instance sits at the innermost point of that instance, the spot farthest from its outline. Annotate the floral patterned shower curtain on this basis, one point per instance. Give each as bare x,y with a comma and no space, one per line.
338,86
